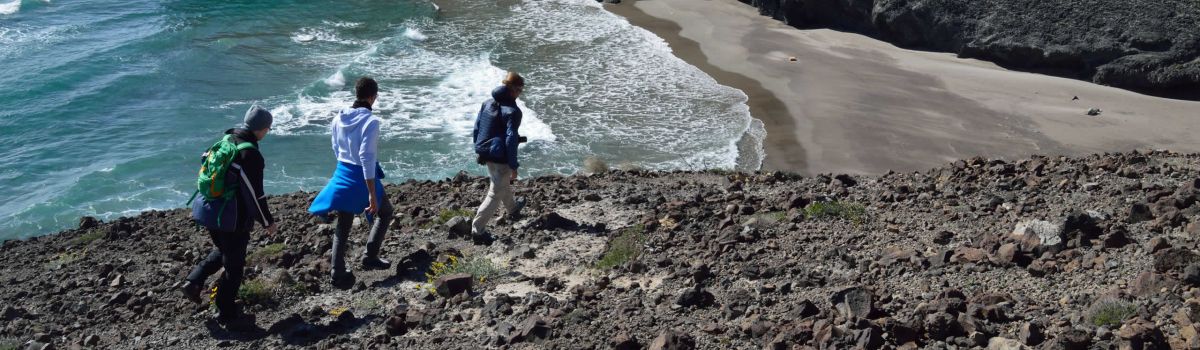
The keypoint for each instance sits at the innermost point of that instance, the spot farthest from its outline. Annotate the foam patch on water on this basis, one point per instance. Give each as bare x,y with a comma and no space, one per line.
10,7
448,108
624,94
15,40
337,80
340,24
313,35
414,34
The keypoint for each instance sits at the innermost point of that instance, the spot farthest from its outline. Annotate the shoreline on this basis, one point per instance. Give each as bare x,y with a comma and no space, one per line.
857,105
783,154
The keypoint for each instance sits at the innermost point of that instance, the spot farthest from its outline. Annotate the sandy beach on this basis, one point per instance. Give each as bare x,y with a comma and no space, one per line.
852,104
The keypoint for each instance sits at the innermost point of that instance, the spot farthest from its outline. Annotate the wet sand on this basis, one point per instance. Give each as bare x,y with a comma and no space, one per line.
852,104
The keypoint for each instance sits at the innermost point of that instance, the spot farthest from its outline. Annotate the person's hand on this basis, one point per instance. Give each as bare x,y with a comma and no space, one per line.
514,176
373,206
271,229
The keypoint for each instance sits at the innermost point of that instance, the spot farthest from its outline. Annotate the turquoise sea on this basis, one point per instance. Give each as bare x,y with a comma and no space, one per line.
106,105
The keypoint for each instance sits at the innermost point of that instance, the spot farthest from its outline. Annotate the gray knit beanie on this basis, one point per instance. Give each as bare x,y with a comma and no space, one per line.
257,118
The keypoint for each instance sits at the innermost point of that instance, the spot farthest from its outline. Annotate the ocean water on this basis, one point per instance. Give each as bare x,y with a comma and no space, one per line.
105,106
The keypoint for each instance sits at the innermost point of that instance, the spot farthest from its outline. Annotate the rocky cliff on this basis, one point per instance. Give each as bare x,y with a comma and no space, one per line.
1151,46
1097,252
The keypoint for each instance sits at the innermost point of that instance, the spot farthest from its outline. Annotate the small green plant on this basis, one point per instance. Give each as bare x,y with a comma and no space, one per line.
367,304
88,238
594,165
65,258
774,217
297,288
623,248
481,270
852,212
446,214
1111,313
8,345
255,291
271,251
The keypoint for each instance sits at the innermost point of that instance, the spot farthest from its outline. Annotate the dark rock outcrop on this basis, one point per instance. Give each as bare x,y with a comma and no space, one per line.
1144,45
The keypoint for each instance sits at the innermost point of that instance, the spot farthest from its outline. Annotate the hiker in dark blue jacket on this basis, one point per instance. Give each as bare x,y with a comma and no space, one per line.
496,138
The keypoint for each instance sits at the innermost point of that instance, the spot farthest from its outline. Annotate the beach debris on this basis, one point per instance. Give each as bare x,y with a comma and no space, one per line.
1075,99
1094,112
793,59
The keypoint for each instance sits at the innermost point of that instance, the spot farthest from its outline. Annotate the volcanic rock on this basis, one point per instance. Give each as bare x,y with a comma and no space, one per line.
672,340
449,286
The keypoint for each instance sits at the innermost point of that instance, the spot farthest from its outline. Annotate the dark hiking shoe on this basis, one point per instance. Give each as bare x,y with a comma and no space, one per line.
375,264
191,291
242,324
342,279
482,238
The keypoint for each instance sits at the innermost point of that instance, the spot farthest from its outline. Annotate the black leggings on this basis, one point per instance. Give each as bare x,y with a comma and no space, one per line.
230,253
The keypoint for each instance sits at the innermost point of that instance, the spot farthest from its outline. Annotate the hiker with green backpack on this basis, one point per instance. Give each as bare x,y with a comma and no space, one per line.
229,199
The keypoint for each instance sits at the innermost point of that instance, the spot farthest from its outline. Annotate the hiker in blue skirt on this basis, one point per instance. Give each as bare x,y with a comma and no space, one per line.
355,186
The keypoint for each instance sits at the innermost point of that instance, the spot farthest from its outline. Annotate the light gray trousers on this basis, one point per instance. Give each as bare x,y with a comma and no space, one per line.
499,191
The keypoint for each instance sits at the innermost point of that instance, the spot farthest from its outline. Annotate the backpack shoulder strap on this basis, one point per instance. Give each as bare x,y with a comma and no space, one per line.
245,146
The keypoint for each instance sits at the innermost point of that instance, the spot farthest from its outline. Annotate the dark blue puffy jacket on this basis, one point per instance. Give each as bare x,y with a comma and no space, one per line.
495,135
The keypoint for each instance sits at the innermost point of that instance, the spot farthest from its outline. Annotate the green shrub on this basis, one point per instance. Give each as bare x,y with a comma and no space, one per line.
1111,313
774,217
481,270
255,291
65,258
270,251
367,304
594,165
88,238
852,212
446,214
623,248
9,345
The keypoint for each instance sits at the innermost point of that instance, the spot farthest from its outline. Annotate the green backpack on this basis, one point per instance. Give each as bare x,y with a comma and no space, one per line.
211,181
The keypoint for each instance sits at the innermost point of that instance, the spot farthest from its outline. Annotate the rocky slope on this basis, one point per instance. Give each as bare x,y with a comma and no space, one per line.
1152,46
1049,253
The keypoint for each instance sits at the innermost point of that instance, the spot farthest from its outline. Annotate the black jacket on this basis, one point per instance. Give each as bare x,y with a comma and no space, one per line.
249,166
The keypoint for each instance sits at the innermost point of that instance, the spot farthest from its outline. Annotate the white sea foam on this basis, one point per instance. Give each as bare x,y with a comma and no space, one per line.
17,39
337,80
414,34
339,24
312,35
615,89
10,7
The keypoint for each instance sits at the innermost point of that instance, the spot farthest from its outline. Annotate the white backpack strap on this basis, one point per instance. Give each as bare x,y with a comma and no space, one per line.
250,187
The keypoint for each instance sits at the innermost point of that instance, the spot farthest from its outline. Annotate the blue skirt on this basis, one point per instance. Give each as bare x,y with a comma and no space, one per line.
346,191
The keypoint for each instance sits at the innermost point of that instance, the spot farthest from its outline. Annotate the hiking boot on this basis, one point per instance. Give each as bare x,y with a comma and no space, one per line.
342,278
482,238
515,213
242,324
375,264
191,291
